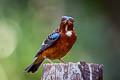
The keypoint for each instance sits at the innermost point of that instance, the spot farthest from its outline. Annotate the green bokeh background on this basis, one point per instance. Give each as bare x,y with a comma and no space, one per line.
24,24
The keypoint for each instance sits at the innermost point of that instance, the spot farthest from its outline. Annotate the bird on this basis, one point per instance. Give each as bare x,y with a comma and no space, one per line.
56,45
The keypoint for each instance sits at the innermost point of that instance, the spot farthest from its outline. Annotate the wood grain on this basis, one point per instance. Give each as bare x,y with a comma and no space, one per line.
72,71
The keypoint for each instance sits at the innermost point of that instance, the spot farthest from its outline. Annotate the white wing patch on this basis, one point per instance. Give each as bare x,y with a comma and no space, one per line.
43,43
69,33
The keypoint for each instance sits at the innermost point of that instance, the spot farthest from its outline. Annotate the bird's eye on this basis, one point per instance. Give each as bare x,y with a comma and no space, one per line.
70,21
63,20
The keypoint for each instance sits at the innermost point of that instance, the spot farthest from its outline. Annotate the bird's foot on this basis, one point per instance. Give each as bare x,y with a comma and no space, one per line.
61,60
50,60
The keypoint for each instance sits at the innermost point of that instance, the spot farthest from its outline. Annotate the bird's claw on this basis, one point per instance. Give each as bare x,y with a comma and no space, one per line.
61,60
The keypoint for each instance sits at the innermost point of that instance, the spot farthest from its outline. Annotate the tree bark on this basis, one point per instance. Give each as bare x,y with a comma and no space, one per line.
72,71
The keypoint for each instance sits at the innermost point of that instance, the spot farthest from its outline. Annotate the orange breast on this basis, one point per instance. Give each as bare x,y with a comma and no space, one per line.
61,47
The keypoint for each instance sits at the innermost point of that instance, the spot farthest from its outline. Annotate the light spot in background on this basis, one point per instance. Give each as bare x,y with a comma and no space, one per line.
8,39
3,75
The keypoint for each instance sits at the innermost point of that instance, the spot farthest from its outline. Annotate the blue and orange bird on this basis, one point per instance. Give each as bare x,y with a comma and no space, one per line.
56,44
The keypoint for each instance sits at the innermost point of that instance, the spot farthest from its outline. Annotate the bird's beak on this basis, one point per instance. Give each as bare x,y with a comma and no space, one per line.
66,21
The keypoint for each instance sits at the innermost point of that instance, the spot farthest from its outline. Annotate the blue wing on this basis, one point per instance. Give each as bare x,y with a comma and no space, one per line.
50,40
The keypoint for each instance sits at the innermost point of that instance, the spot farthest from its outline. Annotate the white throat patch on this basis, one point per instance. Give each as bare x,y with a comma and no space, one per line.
66,27
69,33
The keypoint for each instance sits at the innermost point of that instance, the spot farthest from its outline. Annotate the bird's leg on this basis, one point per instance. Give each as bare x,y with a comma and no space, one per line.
61,60
49,60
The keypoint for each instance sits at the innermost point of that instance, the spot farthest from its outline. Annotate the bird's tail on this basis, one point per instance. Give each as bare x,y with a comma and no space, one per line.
35,65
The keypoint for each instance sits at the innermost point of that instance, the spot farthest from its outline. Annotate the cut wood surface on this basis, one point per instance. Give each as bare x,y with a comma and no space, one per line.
72,71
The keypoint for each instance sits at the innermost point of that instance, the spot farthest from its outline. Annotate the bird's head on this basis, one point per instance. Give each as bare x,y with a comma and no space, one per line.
66,24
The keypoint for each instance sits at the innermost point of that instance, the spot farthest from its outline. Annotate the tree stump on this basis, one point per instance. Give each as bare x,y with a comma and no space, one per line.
72,71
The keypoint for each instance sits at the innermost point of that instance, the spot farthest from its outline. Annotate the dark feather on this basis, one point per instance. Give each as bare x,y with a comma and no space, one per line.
33,67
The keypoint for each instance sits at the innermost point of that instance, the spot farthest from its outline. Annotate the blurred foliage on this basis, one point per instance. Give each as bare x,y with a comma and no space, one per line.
24,24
